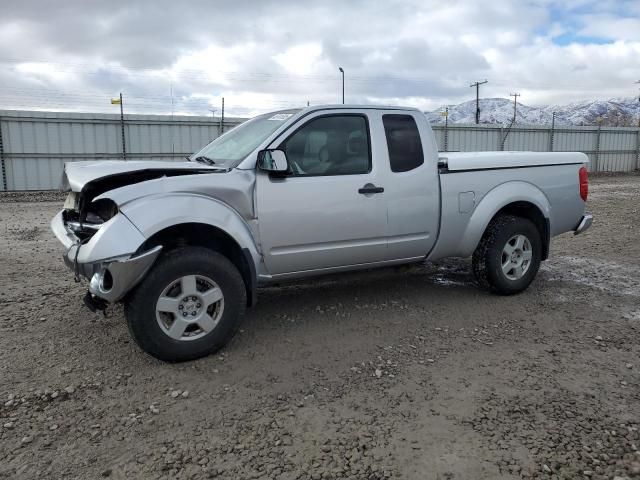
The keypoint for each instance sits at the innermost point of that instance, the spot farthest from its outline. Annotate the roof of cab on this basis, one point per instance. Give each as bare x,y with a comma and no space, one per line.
356,106
303,111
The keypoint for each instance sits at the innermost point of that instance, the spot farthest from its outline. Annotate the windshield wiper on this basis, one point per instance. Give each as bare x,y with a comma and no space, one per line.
204,159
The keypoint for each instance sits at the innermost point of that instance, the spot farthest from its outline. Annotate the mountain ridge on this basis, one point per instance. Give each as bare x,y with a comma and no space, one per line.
621,112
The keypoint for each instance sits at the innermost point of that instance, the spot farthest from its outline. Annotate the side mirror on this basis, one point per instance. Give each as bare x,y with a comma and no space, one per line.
273,161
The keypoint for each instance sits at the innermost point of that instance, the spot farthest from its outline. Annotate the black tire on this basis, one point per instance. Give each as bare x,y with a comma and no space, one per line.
487,259
140,306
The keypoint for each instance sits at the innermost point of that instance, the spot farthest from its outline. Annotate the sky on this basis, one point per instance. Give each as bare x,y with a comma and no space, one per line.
182,57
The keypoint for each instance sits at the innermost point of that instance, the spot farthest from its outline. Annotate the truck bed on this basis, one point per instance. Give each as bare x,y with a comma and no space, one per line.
463,161
475,185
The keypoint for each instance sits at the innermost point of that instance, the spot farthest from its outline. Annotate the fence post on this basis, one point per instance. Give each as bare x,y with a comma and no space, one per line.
637,149
552,131
124,142
4,168
222,119
446,131
597,165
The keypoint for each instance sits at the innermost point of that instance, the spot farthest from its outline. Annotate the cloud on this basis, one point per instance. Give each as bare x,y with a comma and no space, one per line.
270,54
611,27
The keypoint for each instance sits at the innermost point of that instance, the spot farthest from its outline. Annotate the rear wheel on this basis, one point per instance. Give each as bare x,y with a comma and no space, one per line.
188,306
508,257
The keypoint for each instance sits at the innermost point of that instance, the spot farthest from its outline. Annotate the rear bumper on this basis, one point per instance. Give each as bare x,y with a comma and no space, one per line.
585,223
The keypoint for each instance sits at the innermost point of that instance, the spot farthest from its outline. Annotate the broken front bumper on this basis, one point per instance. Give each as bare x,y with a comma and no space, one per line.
108,259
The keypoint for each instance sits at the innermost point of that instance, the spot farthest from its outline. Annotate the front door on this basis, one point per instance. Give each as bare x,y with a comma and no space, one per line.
330,210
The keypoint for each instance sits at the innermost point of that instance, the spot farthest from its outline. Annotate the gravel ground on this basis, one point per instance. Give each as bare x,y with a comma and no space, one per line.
398,373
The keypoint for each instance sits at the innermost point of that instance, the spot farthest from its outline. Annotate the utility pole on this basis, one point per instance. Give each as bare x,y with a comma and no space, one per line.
118,101
2,163
515,104
477,85
124,141
342,72
552,131
638,135
446,129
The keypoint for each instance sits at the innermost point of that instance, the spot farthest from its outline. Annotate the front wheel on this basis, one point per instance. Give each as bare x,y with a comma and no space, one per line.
188,306
508,257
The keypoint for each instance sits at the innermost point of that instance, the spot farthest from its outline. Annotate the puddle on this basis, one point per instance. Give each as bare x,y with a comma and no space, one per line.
447,282
450,272
603,275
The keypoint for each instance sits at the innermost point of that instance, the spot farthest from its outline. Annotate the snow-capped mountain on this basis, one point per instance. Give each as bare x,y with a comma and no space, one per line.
615,112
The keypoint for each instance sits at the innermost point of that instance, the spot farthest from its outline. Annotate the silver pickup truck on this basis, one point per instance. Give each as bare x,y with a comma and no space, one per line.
295,193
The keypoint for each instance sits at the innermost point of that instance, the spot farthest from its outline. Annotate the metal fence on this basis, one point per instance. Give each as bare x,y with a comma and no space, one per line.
35,145
610,149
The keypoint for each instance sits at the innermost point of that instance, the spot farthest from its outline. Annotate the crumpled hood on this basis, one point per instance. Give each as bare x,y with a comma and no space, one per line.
78,174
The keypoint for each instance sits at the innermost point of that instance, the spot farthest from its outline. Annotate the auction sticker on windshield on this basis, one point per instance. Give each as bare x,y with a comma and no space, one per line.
281,116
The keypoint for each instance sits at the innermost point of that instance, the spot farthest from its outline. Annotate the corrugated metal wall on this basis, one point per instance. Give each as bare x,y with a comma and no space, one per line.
35,145
610,149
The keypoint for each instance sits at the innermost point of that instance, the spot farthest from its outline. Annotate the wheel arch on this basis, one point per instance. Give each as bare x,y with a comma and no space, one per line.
211,237
517,198
181,218
531,212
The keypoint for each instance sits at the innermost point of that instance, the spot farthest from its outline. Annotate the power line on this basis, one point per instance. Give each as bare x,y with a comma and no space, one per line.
234,74
98,104
244,74
52,94
173,72
248,78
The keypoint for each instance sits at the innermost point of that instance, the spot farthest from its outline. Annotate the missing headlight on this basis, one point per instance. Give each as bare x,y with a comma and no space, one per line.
89,220
101,210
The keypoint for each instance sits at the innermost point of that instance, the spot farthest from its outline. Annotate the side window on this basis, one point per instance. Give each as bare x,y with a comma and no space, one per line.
403,142
332,145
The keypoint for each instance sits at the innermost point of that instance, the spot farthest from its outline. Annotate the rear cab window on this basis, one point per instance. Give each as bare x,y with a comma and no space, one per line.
403,142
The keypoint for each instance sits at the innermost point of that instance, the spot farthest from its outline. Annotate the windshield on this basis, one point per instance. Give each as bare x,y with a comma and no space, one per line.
231,148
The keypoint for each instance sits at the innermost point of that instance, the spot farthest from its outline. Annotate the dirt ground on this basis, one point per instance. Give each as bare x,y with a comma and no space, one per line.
408,373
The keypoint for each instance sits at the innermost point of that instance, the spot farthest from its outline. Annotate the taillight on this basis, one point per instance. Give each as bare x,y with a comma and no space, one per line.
584,183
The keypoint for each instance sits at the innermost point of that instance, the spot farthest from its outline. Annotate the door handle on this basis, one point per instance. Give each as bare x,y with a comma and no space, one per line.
370,188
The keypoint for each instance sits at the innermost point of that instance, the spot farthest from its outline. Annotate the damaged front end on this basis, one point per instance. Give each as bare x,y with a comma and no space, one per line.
101,243
101,246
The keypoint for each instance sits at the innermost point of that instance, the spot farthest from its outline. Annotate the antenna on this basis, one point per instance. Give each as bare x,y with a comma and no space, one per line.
477,85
